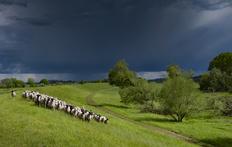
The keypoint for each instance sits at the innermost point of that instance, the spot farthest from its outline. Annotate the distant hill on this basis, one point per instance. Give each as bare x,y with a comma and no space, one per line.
161,80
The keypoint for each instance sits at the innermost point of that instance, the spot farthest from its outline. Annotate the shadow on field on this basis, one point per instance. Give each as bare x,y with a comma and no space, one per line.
154,119
221,142
116,106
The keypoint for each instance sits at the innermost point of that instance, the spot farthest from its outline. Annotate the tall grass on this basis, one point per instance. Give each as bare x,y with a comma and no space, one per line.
24,124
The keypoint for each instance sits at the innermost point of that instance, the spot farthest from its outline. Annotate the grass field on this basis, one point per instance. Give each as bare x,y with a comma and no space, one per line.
213,130
24,124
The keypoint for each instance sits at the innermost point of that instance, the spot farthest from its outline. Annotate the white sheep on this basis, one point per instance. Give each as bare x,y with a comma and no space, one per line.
68,108
13,94
104,119
37,99
53,104
88,115
23,94
61,105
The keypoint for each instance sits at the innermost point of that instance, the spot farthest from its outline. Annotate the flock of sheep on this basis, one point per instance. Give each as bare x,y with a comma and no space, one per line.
53,103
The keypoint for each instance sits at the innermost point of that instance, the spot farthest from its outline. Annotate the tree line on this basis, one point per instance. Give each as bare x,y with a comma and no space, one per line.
14,83
179,96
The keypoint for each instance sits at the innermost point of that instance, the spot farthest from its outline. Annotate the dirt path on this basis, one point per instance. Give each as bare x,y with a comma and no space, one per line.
153,128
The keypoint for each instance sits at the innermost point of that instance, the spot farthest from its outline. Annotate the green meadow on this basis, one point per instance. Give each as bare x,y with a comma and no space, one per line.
25,124
204,127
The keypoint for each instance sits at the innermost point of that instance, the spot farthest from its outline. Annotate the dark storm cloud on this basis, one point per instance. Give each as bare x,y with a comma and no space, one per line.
14,2
87,38
205,4
32,21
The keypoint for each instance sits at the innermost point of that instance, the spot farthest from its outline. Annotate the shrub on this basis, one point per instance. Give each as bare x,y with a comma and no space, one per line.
204,82
222,105
220,81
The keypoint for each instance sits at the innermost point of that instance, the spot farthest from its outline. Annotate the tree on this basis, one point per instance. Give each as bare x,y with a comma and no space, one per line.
7,83
31,82
45,81
99,81
204,82
132,89
141,93
220,81
177,94
178,97
175,71
82,81
223,62
121,76
105,80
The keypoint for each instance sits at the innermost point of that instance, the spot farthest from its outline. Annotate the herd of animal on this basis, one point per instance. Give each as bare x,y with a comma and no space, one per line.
54,103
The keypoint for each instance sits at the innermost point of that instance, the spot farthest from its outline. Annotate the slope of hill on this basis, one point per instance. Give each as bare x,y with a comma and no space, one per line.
24,124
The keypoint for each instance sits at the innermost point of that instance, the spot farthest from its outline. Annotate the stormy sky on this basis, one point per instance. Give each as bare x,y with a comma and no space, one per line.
83,39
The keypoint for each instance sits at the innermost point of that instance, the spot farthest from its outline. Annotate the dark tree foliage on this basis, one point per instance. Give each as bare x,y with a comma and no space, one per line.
223,62
222,105
140,93
204,82
11,83
82,81
220,81
45,81
216,81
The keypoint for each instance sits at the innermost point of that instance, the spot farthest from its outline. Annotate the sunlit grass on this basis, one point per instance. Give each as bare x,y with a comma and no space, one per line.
24,124
214,130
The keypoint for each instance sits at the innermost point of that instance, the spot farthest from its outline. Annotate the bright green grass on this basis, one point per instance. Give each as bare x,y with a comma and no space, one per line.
217,131
24,124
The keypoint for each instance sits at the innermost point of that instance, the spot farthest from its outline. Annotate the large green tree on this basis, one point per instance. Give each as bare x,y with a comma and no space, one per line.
132,89
178,97
223,62
121,76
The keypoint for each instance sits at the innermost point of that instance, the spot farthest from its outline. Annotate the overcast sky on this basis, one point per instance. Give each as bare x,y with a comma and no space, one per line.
83,39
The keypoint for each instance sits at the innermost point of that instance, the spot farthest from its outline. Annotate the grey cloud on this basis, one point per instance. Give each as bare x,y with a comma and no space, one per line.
200,5
32,21
37,22
22,3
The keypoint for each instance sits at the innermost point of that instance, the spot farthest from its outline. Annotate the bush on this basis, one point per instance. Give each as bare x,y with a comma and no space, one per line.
204,82
230,90
222,105
220,81
215,81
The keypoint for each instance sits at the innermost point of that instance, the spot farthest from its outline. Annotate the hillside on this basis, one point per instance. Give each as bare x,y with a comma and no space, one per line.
24,124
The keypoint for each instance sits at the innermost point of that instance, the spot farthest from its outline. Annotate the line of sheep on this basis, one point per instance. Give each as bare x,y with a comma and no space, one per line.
53,103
